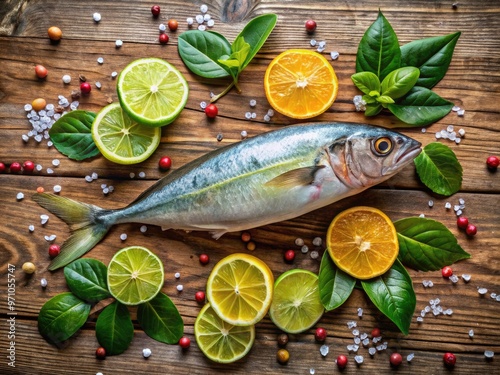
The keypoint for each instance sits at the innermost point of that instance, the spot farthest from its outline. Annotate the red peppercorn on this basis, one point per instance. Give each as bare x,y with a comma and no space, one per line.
310,26
396,359
2,167
85,88
376,332
172,25
446,271
204,259
493,162
246,237
471,230
449,359
200,296
29,166
211,111
289,256
41,71
184,342
100,353
163,38
320,334
462,222
15,167
155,10
165,163
341,361
54,250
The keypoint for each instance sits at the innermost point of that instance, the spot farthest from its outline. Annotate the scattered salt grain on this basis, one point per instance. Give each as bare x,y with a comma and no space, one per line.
427,283
162,27
146,353
123,236
244,134
461,112
461,132
493,295
410,357
50,170
299,242
304,249
143,229
220,137
360,312
56,162
66,78
314,254
447,205
199,19
20,196
100,60
317,241
43,283
177,275
57,188
355,332
31,228
248,115
142,174
98,84
207,17
471,333
88,179
204,8
366,342
351,324
267,118
94,176
118,43
211,23
482,291
324,349
431,203
180,288
252,103
455,108
489,354
132,175
312,371
43,219
96,16
189,21
334,55
420,319
359,359
313,42
202,27
114,75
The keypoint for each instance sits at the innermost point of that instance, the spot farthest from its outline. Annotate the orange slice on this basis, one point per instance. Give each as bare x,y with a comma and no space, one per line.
300,84
362,242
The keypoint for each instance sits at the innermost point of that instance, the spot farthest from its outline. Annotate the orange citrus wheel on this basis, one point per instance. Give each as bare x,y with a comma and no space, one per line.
300,84
362,242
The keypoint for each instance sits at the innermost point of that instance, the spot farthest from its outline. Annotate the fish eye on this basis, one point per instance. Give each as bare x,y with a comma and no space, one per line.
383,146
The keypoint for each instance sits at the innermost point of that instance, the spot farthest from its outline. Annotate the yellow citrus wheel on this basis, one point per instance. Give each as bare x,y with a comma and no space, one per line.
240,289
300,84
362,242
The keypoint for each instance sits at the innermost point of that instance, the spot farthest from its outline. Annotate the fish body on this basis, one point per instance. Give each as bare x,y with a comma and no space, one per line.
268,178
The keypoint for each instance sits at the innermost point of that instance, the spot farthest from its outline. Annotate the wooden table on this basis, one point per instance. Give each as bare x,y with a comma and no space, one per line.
472,82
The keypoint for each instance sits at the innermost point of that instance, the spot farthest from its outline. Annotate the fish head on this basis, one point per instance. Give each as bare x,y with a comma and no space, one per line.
371,155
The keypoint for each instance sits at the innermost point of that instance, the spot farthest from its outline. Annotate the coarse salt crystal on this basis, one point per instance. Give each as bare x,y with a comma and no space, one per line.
94,176
324,349
359,359
56,162
114,74
142,174
253,115
98,85
96,16
461,112
204,8
299,242
162,27
211,23
489,354
19,196
43,219
180,288
57,188
334,55
202,27
146,353
244,134
482,291
118,43
351,324
410,357
177,275
313,42
123,236
43,282
304,249
372,351
143,229
199,19
360,312
66,78
317,241
100,60
471,333
189,21
31,228
314,254
455,108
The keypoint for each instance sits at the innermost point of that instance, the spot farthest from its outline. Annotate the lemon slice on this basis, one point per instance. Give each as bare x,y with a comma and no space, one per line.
121,139
296,305
135,275
152,91
362,241
240,289
220,341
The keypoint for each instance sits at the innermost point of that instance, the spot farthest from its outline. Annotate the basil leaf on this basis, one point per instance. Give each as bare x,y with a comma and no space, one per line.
367,82
114,329
427,245
255,33
240,50
61,316
399,82
373,109
335,286
378,50
160,319
421,107
201,50
432,56
438,168
72,137
87,279
393,294
384,99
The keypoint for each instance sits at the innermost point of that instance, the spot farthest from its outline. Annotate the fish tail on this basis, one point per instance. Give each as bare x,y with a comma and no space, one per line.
84,220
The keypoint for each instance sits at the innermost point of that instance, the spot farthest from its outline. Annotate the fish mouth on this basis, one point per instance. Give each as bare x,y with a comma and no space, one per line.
408,153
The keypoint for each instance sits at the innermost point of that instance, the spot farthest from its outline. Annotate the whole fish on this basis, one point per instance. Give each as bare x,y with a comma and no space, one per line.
268,178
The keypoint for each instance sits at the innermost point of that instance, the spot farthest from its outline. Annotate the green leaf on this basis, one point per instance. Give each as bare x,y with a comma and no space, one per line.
240,50
399,82
71,135
373,109
432,56
378,50
393,295
384,99
160,319
87,279
201,50
61,316
421,107
335,286
114,329
367,82
438,168
427,245
256,32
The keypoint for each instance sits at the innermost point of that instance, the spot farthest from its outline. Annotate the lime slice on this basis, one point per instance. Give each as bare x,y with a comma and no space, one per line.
135,275
296,304
121,139
220,341
152,91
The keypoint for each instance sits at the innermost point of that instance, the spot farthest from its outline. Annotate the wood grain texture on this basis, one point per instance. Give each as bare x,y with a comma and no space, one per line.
472,82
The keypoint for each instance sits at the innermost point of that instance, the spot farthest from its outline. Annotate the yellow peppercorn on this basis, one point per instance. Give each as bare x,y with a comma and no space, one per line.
251,246
38,104
29,267
55,33
283,356
245,236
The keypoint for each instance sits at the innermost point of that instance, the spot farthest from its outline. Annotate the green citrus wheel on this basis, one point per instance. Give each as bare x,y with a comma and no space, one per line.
121,139
135,275
152,91
296,304
220,341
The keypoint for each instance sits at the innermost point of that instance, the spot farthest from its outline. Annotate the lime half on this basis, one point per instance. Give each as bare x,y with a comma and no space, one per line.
152,91
121,139
135,275
296,304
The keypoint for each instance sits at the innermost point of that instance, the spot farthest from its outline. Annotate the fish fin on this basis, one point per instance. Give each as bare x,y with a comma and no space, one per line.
83,220
295,177
218,234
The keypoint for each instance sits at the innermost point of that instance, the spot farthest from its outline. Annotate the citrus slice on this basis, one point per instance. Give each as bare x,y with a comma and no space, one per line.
220,341
135,275
121,139
300,84
296,305
362,242
240,289
152,91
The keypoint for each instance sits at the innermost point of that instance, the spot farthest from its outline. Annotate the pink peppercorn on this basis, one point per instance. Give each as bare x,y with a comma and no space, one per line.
341,361
320,334
54,250
204,259
289,256
310,26
211,111
165,163
200,296
396,359
155,10
471,230
2,167
184,342
446,272
449,359
85,88
100,353
462,222
493,162
29,166
15,167
163,38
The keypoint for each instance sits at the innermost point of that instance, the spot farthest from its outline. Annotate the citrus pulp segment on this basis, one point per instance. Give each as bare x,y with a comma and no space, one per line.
240,289
135,275
121,139
300,84
220,341
152,91
296,304
362,241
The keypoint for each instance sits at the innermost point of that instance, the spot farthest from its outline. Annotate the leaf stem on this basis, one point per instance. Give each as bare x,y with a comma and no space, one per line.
226,90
